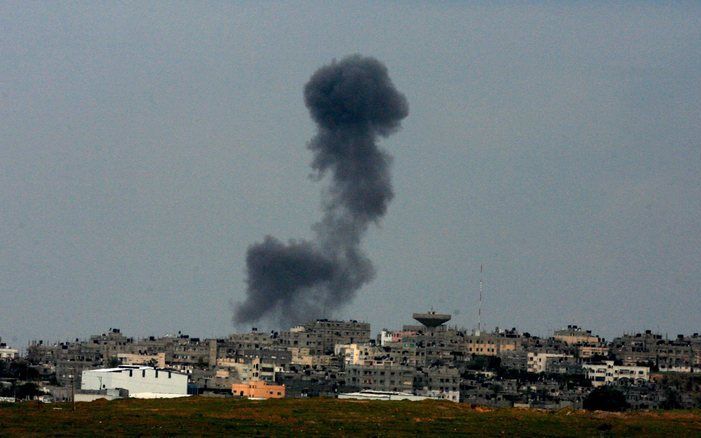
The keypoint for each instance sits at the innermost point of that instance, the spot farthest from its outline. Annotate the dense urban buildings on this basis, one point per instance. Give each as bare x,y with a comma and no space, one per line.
330,358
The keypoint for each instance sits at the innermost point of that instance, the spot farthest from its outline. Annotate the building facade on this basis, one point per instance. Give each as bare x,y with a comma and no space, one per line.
140,381
258,389
608,373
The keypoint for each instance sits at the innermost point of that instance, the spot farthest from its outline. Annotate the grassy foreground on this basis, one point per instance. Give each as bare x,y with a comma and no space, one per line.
208,416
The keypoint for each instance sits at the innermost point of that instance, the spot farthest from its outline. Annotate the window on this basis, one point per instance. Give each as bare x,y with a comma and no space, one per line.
143,373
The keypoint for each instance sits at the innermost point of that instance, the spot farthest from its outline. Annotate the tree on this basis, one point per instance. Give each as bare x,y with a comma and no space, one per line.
27,391
606,398
484,363
21,370
672,399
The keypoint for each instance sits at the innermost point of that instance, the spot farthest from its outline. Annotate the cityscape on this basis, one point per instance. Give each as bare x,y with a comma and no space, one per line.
350,218
428,359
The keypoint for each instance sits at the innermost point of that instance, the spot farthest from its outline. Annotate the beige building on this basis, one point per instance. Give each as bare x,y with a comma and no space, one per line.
305,356
357,354
574,335
158,360
589,351
487,344
322,335
258,389
246,371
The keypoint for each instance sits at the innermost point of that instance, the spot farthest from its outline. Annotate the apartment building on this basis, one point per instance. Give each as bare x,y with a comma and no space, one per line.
548,362
651,348
7,353
381,377
322,335
607,373
574,335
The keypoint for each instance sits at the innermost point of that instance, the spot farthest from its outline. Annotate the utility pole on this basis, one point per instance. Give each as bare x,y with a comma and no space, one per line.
73,391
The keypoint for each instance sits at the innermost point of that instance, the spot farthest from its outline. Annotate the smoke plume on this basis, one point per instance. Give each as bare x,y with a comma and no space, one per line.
352,101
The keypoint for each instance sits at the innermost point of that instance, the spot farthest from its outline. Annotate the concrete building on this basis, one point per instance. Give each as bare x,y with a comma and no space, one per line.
358,354
304,356
7,353
589,351
322,335
157,360
574,335
439,382
258,389
381,377
490,344
140,381
515,360
252,340
607,373
546,362
682,352
246,370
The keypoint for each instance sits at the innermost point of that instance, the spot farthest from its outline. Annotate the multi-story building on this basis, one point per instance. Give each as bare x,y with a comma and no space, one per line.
157,360
322,335
582,343
548,362
490,344
360,354
381,377
650,348
574,335
607,372
7,353
589,351
441,382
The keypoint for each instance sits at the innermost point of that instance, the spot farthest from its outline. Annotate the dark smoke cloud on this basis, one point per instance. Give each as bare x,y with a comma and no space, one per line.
352,102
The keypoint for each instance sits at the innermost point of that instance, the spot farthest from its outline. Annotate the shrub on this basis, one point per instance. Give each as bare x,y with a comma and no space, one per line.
605,398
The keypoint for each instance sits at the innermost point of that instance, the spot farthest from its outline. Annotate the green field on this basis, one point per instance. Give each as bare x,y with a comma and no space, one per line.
210,416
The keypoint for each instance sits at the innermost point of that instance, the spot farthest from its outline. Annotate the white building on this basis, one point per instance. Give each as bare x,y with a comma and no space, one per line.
603,374
140,381
385,337
367,394
7,352
538,362
357,354
453,396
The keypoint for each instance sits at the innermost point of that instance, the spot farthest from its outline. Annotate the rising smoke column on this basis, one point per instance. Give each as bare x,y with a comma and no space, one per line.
352,101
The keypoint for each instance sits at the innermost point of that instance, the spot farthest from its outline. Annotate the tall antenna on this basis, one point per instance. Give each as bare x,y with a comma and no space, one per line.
479,309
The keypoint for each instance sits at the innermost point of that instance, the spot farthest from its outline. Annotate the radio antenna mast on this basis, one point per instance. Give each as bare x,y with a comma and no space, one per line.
479,309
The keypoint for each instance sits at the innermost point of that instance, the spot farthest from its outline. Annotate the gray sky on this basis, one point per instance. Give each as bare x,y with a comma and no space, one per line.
143,147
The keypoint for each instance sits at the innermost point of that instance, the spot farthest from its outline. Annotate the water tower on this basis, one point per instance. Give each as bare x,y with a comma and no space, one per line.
431,319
